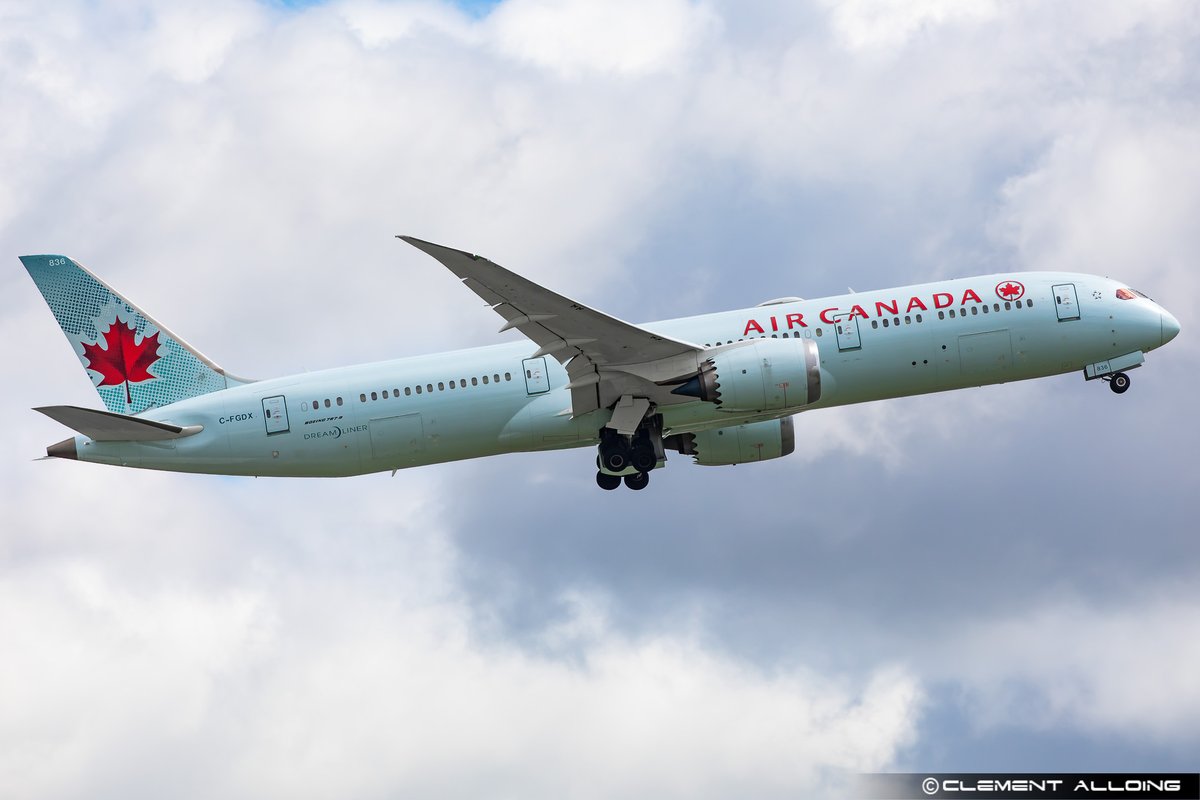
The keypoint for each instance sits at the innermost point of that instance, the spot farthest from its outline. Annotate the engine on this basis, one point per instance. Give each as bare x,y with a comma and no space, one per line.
738,444
764,375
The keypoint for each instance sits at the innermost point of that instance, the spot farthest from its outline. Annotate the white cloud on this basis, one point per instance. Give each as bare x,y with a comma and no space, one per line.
887,24
1114,196
1129,670
624,37
310,666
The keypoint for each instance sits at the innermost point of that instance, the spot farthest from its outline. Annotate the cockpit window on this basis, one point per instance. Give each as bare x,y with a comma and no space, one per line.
1130,294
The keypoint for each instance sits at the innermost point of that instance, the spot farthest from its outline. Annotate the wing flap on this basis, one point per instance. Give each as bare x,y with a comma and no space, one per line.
106,426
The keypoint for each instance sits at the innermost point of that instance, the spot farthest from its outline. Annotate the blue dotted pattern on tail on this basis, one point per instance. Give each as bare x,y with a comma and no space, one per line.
86,310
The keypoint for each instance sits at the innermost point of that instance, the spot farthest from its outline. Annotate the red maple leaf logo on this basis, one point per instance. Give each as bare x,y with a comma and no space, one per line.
124,361
1010,290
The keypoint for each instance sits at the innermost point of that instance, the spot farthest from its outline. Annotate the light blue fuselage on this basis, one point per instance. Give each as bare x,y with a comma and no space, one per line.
321,425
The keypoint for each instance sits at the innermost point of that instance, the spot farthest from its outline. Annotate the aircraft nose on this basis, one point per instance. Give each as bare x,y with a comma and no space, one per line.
1170,327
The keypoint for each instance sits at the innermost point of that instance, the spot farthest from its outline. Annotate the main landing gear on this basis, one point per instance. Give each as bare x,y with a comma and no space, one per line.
630,458
1118,382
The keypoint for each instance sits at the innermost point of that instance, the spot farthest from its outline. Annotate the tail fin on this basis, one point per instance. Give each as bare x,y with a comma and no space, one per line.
134,362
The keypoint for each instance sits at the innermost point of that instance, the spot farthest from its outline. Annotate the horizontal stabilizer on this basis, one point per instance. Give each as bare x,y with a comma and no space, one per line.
105,426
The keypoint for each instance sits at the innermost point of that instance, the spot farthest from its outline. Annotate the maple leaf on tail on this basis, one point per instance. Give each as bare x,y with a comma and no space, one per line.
124,361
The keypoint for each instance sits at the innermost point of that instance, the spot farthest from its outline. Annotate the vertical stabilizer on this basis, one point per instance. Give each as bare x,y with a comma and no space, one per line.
134,362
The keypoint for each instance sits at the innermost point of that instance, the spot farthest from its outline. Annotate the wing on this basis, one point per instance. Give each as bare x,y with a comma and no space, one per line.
605,357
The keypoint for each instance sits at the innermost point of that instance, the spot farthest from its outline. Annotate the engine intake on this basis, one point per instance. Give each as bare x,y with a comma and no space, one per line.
763,375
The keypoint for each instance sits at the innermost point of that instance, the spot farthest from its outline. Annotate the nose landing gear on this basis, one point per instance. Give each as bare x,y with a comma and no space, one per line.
1118,382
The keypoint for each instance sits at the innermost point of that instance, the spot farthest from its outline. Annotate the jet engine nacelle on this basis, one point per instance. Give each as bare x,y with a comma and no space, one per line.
737,444
764,375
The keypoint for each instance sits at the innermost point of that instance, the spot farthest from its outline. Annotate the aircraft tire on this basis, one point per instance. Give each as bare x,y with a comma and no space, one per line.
644,459
607,482
1119,382
638,481
614,459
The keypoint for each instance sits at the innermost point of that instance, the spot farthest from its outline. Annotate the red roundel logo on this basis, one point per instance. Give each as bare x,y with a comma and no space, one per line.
1010,290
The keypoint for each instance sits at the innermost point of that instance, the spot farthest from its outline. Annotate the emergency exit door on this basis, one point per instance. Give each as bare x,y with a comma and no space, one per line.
1065,302
536,378
275,414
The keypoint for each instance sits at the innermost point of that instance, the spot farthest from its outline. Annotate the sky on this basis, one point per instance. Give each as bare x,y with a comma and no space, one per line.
1004,578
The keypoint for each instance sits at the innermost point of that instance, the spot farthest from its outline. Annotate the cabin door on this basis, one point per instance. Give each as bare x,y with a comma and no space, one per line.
846,326
1065,302
275,414
537,380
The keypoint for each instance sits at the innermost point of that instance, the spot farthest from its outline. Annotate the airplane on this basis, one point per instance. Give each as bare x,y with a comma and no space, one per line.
722,387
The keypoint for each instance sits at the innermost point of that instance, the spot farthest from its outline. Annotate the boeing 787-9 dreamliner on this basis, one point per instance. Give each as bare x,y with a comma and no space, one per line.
721,388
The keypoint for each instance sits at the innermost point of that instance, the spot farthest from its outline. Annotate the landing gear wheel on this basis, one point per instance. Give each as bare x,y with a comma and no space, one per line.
644,459
614,459
1119,382
637,481
607,482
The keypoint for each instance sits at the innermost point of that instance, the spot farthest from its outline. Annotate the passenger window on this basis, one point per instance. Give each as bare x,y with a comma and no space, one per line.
819,334
885,323
485,379
339,401
462,383
528,374
1018,304
374,396
316,404
952,313
985,309
975,310
995,306
496,378
327,402
918,317
875,323
385,394
441,386
474,381
1029,303
1008,305
429,388
418,388
907,320
451,384
408,391
362,397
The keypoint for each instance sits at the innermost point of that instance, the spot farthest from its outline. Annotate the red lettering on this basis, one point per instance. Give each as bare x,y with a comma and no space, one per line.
825,315
752,325
858,311
795,321
970,293
774,324
880,307
916,303
937,299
